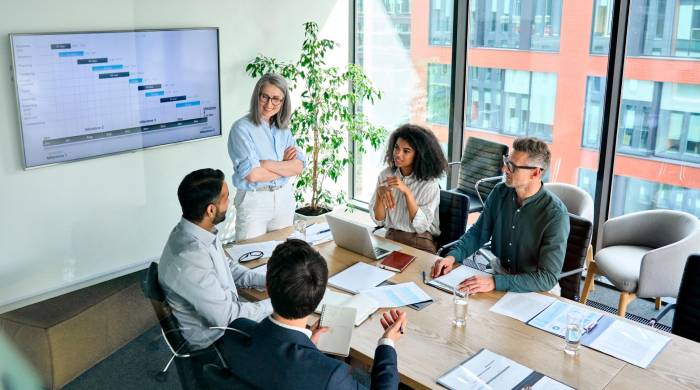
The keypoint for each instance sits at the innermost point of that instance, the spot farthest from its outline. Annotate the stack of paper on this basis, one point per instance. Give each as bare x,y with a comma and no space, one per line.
358,277
397,295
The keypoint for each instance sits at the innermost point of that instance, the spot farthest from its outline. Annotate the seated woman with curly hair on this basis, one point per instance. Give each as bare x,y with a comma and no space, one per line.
407,198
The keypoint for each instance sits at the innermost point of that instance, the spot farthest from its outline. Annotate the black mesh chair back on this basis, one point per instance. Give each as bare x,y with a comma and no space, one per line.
481,159
454,207
686,320
577,244
188,362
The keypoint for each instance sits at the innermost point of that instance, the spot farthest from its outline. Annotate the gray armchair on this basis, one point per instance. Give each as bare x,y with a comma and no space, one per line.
576,200
643,254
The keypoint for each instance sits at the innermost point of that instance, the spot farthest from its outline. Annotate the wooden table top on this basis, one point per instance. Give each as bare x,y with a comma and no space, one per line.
432,345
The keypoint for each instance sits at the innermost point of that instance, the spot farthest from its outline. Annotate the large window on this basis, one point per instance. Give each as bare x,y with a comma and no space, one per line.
538,68
516,24
512,102
404,47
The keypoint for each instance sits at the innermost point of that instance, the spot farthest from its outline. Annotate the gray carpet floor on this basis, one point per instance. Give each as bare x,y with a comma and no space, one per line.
135,365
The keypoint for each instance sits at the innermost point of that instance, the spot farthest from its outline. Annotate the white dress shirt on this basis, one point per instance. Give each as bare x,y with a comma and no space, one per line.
200,283
427,195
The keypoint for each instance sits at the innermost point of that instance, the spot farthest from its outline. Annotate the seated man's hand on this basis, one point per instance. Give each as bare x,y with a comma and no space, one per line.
443,266
316,331
394,324
477,284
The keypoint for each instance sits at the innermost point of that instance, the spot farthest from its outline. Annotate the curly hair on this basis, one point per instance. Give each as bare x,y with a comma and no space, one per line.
429,161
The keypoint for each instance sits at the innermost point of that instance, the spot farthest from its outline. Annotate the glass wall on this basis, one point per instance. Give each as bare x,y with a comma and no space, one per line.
404,46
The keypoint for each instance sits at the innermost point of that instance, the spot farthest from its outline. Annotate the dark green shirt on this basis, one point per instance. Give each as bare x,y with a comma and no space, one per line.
530,240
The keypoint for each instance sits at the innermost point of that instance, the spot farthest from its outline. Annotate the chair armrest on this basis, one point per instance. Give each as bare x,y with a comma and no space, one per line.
662,268
569,273
486,179
442,251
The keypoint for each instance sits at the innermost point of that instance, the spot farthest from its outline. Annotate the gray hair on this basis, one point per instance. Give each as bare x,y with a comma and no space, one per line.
537,151
281,119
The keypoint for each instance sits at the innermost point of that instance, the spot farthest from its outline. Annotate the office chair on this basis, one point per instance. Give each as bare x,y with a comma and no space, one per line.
481,159
580,233
189,362
454,207
218,377
686,320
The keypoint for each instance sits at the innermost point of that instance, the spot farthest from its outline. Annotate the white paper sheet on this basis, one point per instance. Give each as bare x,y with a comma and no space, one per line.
631,343
397,295
522,306
237,251
358,277
547,383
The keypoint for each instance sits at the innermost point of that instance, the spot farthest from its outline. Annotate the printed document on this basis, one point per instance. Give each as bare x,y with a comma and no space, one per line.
522,306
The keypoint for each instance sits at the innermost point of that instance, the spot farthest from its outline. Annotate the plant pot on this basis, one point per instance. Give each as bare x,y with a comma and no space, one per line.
307,213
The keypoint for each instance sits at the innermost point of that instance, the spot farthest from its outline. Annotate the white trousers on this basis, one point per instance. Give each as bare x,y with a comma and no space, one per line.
258,212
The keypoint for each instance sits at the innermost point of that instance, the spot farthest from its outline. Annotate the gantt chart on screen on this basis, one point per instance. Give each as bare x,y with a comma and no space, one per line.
84,95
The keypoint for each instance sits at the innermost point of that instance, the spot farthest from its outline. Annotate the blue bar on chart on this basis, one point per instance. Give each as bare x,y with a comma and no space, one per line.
155,93
136,81
107,67
113,75
150,86
188,104
172,99
84,61
55,46
71,53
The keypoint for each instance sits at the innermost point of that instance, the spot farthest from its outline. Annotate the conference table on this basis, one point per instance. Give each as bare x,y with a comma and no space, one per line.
431,345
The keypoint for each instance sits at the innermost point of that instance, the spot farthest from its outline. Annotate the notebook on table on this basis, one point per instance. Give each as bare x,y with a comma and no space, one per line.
339,321
397,261
358,277
365,306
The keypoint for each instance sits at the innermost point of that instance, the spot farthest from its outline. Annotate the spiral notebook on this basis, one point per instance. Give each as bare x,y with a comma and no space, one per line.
340,321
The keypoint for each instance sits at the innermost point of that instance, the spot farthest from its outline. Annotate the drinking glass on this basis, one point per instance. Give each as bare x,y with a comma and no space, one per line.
460,304
300,226
574,331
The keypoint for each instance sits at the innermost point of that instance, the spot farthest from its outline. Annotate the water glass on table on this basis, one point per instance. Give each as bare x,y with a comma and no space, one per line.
574,331
461,305
300,226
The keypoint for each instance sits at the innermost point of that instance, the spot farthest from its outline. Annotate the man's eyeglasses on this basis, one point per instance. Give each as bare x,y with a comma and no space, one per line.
249,256
276,101
511,167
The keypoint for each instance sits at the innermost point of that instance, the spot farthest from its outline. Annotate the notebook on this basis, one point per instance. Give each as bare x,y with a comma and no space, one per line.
455,277
339,321
358,277
364,305
397,261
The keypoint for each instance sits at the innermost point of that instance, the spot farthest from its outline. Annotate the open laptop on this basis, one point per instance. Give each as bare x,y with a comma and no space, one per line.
358,238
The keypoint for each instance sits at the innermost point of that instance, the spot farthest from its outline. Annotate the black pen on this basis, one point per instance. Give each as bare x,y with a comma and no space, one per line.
324,231
424,278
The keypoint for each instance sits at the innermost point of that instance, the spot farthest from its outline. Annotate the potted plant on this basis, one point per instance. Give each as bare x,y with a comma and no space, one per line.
325,121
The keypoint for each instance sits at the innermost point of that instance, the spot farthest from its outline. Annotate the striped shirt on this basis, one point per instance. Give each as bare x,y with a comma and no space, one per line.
427,195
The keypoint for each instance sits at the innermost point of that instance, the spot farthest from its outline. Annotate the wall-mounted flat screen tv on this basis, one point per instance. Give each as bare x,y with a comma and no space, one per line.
90,94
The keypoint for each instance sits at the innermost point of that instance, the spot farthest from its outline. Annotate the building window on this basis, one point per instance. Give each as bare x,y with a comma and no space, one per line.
438,93
505,101
631,194
441,22
662,28
587,180
516,24
593,112
679,122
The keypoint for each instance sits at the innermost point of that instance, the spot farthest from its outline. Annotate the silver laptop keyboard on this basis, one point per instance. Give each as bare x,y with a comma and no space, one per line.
380,251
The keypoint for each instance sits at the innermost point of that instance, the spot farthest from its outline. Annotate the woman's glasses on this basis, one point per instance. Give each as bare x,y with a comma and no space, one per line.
276,101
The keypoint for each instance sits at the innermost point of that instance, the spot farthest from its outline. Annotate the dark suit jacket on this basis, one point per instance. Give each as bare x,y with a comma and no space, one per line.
274,357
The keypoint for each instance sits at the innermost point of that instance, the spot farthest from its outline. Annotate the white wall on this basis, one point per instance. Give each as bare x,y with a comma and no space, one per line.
74,224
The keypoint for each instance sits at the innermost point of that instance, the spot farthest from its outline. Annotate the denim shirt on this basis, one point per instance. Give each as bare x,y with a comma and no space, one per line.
249,143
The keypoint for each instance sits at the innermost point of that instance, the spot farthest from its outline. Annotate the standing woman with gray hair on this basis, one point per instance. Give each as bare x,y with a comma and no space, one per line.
264,155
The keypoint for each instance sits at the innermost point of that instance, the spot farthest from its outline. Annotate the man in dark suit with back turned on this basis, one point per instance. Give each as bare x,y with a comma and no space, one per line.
280,352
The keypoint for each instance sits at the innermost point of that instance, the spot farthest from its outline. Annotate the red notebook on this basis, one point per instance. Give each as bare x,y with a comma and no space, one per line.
397,261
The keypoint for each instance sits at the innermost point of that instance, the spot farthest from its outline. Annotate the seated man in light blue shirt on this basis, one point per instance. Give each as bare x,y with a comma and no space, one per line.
198,277
265,156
